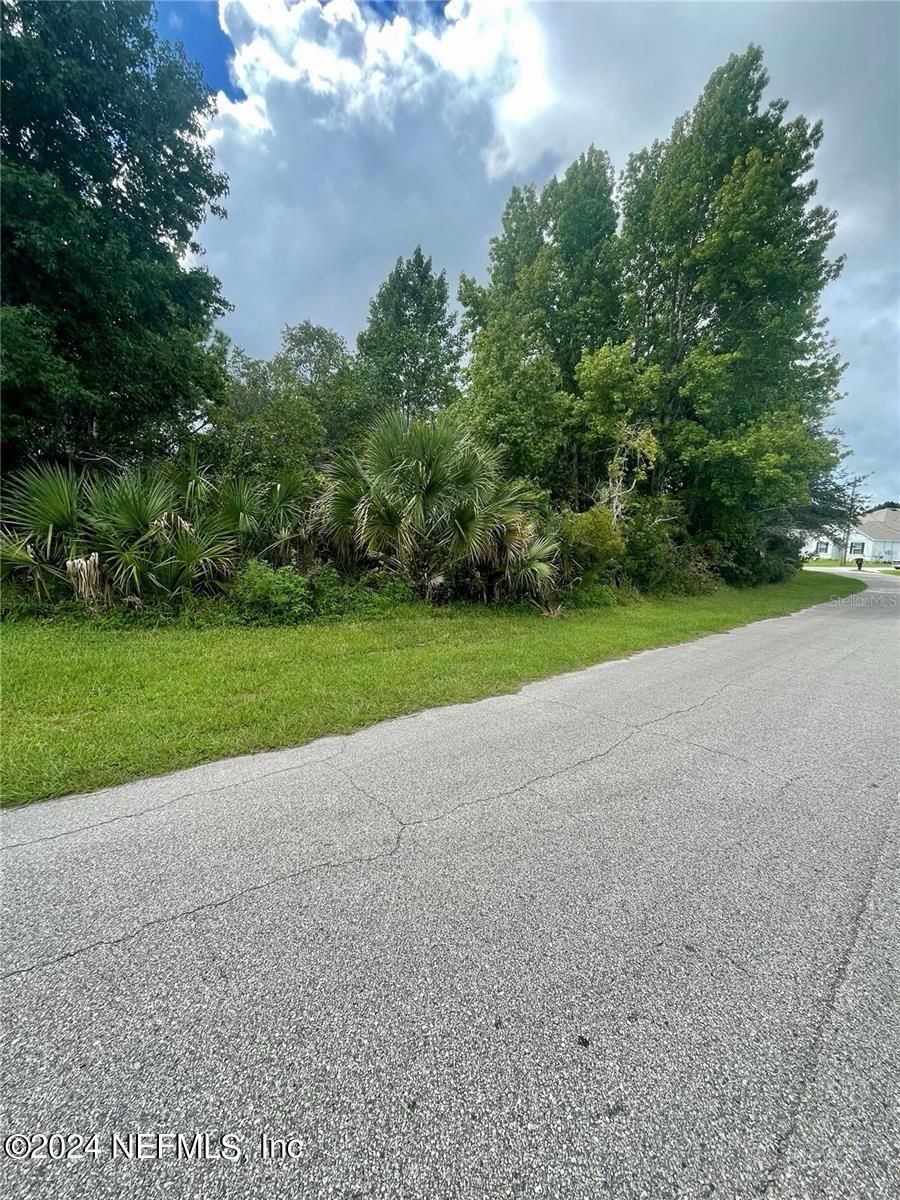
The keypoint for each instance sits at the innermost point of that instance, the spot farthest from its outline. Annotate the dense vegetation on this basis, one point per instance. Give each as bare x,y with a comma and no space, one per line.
106,177
635,397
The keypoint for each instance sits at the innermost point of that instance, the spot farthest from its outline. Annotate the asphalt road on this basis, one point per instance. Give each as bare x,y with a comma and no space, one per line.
631,932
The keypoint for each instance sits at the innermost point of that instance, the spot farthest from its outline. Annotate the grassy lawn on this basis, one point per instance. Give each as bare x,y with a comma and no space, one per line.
849,565
86,707
833,562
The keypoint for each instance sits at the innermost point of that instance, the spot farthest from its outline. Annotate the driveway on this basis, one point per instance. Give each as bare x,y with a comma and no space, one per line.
630,932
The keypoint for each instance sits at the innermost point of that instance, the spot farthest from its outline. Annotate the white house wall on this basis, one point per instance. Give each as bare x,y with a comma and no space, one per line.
872,551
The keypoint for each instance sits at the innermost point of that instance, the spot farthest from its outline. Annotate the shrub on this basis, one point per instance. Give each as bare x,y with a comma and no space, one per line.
391,587
372,594
658,557
330,595
768,558
275,596
140,536
425,499
591,544
593,595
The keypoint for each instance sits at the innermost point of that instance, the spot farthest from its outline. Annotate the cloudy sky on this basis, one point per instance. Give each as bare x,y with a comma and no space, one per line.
350,132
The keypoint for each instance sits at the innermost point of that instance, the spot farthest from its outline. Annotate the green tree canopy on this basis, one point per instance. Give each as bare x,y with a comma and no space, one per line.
268,424
410,350
694,327
724,260
335,382
551,295
290,412
106,177
555,263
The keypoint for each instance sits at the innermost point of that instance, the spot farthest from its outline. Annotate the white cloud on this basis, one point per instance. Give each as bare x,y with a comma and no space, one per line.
365,69
247,117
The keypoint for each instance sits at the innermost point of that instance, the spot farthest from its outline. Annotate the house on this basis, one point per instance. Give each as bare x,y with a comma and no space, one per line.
875,537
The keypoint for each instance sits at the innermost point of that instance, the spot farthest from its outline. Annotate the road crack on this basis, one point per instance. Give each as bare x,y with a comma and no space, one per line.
287,877
207,906
155,808
813,1054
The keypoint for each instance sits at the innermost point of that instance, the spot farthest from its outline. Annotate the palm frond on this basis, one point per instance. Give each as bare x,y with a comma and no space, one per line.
44,503
532,571
129,506
424,496
285,502
193,483
18,561
195,558
241,506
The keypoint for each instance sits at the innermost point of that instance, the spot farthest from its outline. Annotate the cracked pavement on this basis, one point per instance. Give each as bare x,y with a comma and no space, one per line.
630,932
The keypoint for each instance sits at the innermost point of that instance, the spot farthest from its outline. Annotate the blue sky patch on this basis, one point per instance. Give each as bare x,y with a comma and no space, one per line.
195,23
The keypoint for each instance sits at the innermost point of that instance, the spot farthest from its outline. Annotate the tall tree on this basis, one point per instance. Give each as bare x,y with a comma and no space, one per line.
552,294
555,262
724,260
691,340
106,176
410,349
515,401
580,230
335,382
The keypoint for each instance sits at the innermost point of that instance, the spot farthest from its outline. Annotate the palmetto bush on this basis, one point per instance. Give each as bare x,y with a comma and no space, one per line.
41,527
427,500
141,535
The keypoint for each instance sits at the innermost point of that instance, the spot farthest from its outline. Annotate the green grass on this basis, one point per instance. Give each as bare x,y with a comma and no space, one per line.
833,562
849,565
87,706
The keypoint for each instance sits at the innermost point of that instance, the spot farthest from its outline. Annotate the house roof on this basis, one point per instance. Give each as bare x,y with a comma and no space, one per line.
883,525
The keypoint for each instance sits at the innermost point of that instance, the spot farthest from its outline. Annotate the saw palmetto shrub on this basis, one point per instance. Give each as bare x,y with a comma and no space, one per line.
139,537
426,500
